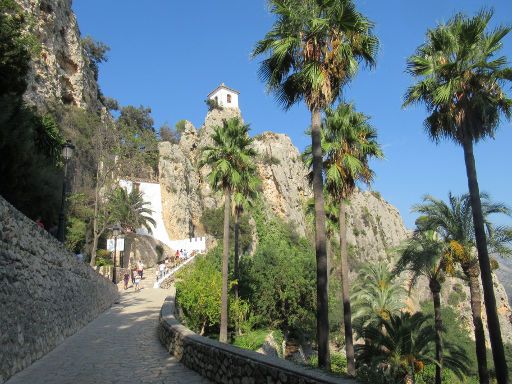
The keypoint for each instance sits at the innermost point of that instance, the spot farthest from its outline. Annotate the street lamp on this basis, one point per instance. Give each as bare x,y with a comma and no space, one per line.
116,231
67,153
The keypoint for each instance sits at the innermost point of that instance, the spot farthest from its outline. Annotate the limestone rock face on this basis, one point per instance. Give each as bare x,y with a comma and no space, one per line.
283,176
180,186
61,72
374,226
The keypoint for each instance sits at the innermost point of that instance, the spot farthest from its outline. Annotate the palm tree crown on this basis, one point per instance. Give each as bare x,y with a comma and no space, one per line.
461,78
129,209
423,255
454,222
376,295
230,155
349,141
313,49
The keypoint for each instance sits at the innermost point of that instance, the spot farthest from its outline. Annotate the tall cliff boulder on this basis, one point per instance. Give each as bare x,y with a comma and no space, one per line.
375,227
61,72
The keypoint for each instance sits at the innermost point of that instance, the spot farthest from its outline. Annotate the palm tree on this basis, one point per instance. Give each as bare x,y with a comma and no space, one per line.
129,210
312,50
376,295
461,84
423,255
348,143
398,348
229,157
242,196
454,222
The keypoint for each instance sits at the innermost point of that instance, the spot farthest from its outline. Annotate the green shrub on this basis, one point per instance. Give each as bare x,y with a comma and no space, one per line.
428,374
252,340
279,280
102,261
268,159
455,334
103,253
338,363
376,194
198,291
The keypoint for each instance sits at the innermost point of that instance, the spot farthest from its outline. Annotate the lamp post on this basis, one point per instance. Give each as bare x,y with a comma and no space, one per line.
116,231
67,153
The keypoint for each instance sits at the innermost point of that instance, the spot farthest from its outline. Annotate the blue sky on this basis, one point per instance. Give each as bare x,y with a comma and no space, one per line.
169,55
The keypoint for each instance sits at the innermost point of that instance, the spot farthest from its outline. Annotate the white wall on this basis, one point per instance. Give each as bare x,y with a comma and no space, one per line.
222,95
152,194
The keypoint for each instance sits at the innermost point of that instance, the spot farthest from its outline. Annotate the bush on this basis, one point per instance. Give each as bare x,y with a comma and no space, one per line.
268,159
103,261
454,335
103,253
428,374
279,280
213,222
338,363
252,340
213,104
198,292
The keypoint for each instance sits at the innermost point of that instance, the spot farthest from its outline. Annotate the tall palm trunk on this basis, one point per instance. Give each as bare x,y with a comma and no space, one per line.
223,336
472,273
435,288
345,293
322,311
235,267
498,352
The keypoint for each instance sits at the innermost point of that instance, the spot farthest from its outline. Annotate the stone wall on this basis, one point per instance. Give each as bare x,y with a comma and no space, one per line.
46,294
224,363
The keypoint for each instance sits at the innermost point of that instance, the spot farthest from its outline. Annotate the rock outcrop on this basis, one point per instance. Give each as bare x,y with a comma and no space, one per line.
61,72
374,226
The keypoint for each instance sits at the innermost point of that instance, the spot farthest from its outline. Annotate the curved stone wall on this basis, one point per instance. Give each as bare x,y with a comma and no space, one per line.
45,293
224,363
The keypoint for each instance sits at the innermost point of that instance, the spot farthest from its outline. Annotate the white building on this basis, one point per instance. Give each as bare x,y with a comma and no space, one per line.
151,194
225,97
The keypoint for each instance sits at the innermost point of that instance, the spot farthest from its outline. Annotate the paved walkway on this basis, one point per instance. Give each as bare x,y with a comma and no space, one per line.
120,346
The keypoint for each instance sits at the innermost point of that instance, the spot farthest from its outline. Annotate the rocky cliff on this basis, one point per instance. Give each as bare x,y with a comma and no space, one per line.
374,226
61,72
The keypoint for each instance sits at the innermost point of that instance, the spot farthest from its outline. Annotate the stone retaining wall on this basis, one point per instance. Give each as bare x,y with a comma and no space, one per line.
45,293
224,363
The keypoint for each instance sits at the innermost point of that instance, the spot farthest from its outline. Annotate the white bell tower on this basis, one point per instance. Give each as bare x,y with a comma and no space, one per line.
225,96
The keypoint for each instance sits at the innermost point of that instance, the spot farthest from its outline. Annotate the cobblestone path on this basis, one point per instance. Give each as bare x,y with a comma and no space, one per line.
120,346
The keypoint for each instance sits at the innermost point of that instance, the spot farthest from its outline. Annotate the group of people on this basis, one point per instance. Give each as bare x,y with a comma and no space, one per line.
165,266
135,274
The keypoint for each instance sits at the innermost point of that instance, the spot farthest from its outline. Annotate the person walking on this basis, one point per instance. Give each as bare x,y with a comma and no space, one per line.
137,282
162,270
126,279
140,268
